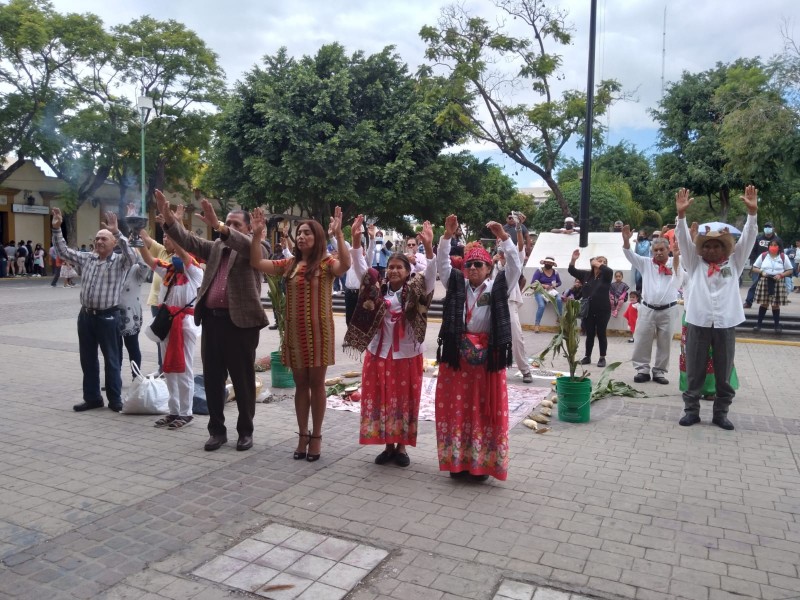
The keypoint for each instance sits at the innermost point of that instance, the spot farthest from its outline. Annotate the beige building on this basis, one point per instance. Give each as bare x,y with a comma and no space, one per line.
539,194
28,194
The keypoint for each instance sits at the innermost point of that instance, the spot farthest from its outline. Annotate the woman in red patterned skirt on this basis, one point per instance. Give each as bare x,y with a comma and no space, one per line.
390,322
474,351
309,338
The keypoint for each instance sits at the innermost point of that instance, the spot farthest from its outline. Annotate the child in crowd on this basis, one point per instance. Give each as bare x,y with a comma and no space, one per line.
573,293
68,272
632,312
618,293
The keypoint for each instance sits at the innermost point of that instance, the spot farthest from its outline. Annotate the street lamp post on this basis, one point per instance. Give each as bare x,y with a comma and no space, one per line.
145,105
137,222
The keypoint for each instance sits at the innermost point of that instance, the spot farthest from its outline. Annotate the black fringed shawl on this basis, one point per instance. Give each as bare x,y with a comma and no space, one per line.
452,329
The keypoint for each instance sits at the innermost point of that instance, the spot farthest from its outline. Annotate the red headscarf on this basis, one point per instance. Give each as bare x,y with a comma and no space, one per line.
475,251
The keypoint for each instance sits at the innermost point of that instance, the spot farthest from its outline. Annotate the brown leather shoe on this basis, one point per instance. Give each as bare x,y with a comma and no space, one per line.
214,442
245,442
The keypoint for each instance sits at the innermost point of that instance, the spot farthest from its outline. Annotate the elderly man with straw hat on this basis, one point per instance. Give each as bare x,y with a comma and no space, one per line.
714,263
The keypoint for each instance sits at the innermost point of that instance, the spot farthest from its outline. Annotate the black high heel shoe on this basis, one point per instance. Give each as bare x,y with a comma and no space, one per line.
301,455
313,457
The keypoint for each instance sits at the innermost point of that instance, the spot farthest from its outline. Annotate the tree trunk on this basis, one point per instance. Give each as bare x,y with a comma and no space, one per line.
71,224
11,168
557,194
724,203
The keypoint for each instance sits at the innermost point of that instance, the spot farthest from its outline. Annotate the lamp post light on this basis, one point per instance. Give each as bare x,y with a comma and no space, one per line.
137,223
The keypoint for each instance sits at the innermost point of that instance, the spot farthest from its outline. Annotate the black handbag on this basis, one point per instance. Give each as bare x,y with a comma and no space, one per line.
584,312
162,322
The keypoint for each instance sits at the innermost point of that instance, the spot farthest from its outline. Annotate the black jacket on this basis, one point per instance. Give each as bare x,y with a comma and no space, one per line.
596,289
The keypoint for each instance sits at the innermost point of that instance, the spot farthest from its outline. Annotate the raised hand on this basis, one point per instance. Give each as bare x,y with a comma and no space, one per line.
425,237
179,210
576,254
209,216
257,222
372,230
159,219
497,230
682,202
110,222
57,218
626,236
750,198
450,226
335,227
163,208
357,230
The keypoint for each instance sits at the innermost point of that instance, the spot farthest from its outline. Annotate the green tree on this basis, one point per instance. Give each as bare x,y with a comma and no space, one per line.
611,200
36,45
691,116
330,129
533,135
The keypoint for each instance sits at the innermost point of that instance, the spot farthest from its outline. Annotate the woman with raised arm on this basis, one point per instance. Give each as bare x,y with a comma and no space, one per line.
389,322
308,347
475,348
596,287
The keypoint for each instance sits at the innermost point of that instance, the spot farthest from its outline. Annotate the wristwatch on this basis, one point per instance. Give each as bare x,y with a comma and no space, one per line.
219,226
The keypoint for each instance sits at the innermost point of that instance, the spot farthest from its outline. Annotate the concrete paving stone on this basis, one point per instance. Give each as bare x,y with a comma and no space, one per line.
284,587
320,591
220,568
249,550
304,541
310,567
543,593
251,578
612,587
365,557
344,576
405,590
275,533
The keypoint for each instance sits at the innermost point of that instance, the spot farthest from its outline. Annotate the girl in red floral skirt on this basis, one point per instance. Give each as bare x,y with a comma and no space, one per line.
389,322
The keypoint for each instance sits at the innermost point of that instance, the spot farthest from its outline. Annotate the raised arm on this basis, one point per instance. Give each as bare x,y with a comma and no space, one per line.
129,256
193,244
579,274
341,264
750,230
62,250
147,257
256,249
682,235
425,237
443,264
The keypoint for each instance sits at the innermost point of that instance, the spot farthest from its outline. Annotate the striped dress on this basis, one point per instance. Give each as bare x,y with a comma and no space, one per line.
309,336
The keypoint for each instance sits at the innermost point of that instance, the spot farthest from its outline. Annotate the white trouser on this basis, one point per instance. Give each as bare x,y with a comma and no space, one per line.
517,343
181,385
653,325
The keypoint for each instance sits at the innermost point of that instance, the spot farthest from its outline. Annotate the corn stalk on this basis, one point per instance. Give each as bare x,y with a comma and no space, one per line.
566,342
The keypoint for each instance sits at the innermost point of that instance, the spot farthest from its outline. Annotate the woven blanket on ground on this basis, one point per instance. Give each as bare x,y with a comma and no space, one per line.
522,399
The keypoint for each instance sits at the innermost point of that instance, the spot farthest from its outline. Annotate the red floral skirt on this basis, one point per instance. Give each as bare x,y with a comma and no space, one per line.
390,393
467,438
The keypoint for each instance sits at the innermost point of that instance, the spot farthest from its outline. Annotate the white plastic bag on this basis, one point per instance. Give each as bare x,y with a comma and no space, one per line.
148,395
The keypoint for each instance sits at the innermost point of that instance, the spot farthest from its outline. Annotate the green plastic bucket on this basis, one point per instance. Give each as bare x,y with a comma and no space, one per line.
280,374
574,399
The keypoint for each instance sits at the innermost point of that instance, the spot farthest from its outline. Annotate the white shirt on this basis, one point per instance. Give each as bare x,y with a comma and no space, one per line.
420,264
772,266
383,341
657,289
714,301
514,293
480,307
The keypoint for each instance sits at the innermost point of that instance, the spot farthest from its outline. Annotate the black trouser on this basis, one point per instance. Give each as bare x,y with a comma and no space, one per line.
56,275
228,349
698,341
596,324
350,301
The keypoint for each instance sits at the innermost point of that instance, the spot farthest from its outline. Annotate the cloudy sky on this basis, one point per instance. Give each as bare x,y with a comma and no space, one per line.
699,33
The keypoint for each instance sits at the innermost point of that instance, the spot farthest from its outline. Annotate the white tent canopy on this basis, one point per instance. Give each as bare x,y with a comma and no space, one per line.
560,247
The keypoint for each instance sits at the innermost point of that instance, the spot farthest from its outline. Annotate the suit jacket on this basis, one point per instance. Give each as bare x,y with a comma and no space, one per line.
244,282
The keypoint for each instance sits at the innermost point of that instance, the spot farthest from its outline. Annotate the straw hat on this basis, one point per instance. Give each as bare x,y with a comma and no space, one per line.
723,237
548,259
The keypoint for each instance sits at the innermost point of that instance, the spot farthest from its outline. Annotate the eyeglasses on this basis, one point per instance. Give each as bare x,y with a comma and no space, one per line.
411,243
478,264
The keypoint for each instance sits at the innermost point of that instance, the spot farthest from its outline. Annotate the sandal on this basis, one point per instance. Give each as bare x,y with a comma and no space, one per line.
301,455
179,422
313,457
165,421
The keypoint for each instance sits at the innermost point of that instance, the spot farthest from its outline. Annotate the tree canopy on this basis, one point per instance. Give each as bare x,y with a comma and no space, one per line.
482,98
330,129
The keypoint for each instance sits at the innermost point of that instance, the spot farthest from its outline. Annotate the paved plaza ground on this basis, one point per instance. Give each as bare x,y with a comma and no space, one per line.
630,505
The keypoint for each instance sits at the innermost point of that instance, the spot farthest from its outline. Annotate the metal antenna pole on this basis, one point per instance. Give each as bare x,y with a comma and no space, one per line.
586,182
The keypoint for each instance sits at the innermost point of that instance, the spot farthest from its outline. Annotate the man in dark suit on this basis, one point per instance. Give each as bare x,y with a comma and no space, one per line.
229,308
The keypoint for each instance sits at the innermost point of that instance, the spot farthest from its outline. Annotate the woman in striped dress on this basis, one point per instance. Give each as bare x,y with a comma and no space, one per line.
308,345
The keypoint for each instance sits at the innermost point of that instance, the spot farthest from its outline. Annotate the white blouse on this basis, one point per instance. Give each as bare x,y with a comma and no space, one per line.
770,265
478,301
383,341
